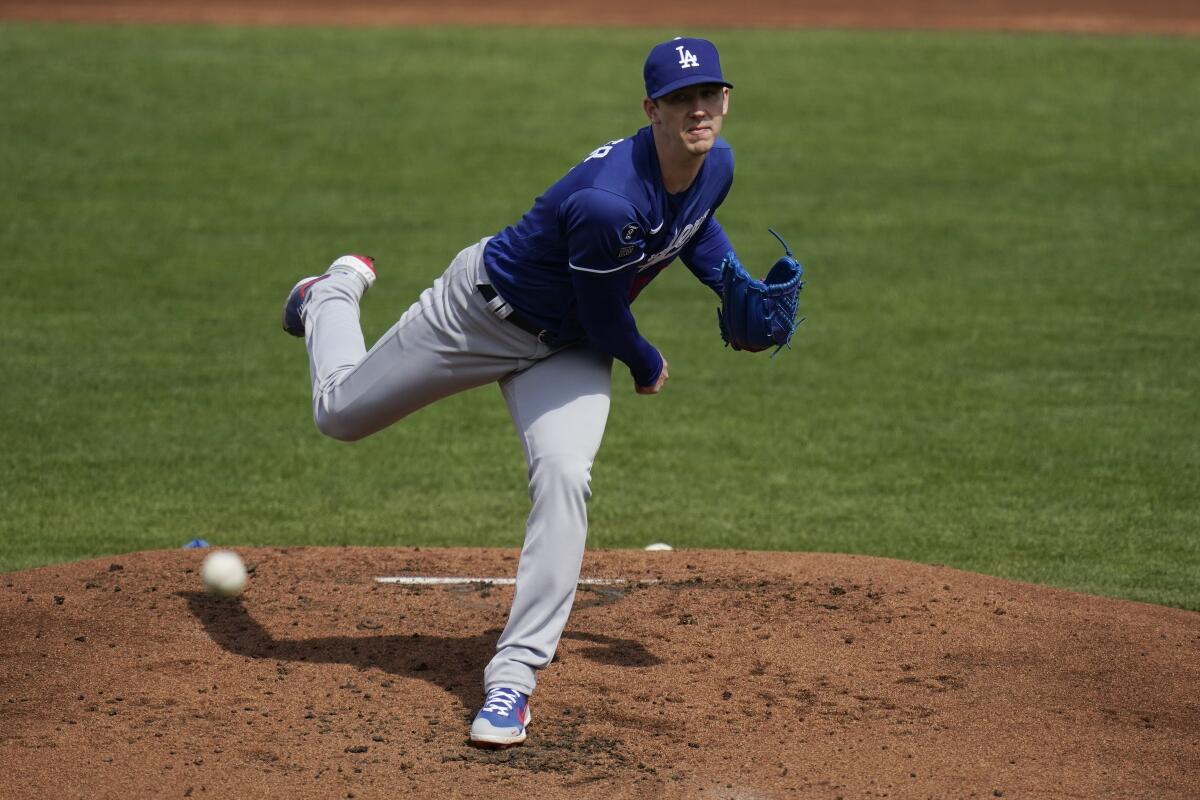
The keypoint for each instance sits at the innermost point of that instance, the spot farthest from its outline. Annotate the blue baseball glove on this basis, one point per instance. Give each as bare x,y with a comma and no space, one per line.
754,314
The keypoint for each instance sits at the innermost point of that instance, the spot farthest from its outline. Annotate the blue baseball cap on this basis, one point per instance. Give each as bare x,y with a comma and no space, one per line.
683,61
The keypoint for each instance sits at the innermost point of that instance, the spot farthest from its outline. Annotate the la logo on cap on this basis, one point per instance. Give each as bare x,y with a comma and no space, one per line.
681,62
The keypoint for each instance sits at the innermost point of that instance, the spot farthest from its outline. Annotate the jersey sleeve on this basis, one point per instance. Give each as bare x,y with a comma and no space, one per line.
602,302
705,252
603,232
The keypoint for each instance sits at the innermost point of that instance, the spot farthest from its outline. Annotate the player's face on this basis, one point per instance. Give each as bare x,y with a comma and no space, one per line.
691,116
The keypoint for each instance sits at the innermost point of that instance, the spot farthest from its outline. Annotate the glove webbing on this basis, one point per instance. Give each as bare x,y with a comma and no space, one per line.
788,293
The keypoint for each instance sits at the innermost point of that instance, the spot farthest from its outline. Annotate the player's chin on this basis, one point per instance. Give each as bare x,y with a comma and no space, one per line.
698,144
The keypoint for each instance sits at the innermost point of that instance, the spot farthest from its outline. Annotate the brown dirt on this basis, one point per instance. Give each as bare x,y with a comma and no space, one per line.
1109,16
707,675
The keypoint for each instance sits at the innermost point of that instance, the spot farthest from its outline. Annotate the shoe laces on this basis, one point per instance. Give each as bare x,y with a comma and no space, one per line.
501,700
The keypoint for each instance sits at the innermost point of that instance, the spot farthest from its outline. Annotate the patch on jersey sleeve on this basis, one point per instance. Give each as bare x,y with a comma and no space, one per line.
631,232
626,250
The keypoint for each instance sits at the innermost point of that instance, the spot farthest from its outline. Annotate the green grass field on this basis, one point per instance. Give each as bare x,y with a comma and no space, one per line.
1002,236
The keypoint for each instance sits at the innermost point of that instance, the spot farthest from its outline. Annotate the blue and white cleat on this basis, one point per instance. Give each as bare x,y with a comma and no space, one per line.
502,720
293,309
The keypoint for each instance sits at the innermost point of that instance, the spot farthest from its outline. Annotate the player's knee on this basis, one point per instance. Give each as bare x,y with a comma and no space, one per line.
340,426
569,474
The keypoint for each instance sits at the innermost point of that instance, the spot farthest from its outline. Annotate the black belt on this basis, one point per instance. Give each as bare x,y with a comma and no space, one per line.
523,322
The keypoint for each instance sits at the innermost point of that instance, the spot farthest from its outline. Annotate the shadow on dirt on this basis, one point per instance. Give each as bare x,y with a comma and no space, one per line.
453,663
612,651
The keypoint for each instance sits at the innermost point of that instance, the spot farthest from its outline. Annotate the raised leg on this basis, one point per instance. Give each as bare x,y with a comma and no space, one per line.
446,342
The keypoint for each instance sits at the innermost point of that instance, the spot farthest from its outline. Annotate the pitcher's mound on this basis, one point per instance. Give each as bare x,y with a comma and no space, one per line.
686,674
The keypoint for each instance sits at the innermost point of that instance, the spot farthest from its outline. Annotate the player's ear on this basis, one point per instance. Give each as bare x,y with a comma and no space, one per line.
725,100
651,109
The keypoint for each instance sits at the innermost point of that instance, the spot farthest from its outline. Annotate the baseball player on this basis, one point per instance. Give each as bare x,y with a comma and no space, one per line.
542,308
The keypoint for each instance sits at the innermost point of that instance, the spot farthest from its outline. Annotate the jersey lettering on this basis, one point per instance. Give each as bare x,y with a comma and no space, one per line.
678,242
603,150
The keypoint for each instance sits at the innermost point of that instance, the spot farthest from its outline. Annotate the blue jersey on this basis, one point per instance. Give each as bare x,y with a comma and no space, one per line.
602,232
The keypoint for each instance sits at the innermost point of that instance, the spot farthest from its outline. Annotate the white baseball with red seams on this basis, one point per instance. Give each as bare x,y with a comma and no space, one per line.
223,573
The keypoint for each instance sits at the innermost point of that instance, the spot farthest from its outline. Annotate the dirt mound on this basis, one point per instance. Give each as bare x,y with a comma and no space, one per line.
697,674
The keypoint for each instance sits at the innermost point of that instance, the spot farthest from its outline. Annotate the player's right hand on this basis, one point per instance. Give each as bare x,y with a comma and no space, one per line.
657,386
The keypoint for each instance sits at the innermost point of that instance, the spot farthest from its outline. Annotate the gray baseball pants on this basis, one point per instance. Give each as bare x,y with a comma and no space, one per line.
449,341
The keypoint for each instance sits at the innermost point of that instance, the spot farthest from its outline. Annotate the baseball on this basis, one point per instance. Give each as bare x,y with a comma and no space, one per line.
223,573
659,546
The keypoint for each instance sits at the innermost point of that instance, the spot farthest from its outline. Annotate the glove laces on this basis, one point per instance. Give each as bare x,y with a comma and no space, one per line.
789,304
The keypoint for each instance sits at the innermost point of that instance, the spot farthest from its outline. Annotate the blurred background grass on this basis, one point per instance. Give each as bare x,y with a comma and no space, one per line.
1001,234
